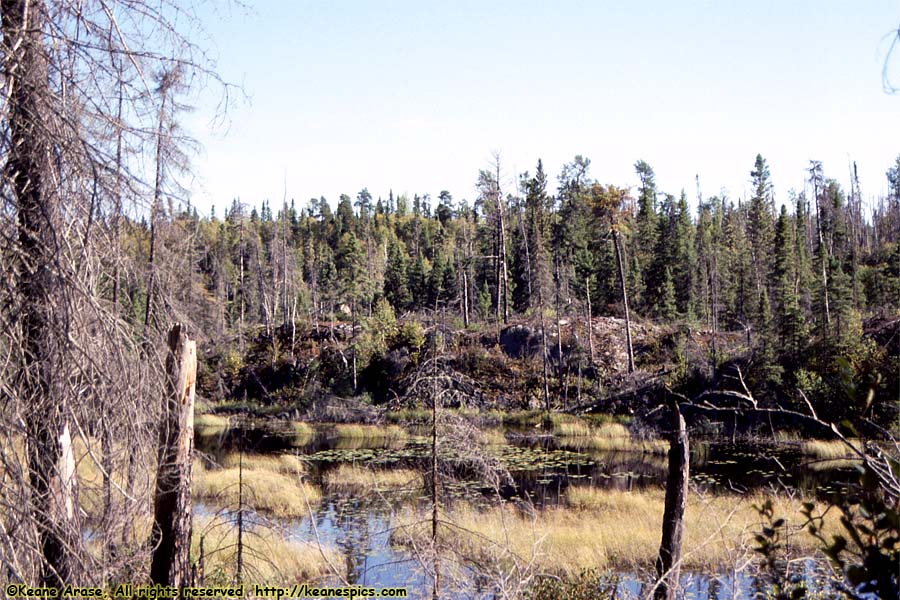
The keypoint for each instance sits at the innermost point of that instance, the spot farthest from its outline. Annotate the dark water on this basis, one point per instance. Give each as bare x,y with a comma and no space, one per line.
542,469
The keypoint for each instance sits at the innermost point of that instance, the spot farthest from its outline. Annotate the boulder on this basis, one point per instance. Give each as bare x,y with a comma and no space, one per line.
519,341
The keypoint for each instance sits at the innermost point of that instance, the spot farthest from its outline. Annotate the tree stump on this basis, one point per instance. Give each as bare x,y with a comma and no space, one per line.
172,519
668,563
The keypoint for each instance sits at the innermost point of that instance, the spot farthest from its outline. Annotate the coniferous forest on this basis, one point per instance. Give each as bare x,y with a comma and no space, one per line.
557,387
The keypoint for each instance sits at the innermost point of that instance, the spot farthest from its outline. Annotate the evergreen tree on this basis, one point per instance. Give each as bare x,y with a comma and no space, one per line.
645,234
760,224
396,289
788,314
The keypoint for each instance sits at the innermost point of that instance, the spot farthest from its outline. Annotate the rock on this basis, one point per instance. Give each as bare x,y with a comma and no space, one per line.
519,341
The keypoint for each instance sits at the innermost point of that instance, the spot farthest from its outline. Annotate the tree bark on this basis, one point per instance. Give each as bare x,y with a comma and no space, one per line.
172,520
31,170
669,559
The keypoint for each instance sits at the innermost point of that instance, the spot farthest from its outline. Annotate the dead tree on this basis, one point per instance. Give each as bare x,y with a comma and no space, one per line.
79,126
669,560
172,521
32,174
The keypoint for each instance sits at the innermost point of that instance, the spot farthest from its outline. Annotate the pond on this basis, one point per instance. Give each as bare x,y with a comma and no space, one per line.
373,532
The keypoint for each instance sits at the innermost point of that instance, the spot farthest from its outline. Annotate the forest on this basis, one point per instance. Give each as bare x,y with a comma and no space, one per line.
558,388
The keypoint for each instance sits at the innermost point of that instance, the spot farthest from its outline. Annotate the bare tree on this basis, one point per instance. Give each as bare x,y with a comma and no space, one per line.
79,122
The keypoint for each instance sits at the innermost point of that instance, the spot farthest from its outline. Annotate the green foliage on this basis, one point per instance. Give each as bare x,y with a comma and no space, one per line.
411,334
770,544
867,552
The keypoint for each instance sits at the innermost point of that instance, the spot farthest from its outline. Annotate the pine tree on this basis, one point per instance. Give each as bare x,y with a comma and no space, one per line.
396,289
760,224
642,246
788,314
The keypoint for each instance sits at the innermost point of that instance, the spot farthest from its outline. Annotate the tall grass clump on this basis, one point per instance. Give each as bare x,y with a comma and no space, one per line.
360,480
285,464
303,433
275,493
606,529
269,556
210,422
828,449
369,434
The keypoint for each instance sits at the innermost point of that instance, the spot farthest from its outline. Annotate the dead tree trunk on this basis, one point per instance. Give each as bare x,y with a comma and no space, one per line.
154,215
590,320
172,522
502,274
436,581
465,298
669,559
32,173
624,290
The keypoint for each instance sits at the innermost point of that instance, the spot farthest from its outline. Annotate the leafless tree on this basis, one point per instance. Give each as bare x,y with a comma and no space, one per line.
79,124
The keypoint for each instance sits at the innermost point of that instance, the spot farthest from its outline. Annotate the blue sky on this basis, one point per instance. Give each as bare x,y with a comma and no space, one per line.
415,96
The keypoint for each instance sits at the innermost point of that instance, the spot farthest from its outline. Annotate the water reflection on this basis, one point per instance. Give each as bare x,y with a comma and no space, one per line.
543,468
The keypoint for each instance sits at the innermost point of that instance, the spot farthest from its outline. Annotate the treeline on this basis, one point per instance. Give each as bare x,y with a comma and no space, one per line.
793,278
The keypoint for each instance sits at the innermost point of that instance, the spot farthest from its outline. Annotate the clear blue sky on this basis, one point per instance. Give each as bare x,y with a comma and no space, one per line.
415,96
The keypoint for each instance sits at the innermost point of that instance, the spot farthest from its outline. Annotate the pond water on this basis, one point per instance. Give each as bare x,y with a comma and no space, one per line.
360,526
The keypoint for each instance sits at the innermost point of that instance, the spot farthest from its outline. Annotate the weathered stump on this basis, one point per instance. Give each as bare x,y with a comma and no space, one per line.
172,521
668,563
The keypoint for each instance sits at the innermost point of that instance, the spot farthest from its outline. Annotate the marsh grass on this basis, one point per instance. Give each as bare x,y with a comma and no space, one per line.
828,449
209,424
493,437
303,433
608,437
273,492
285,464
359,480
608,529
571,429
269,556
352,435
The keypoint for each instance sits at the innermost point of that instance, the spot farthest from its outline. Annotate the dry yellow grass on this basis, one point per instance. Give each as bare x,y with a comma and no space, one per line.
286,464
828,449
353,478
269,558
272,492
611,529
571,429
350,436
608,437
355,430
303,433
209,425
493,437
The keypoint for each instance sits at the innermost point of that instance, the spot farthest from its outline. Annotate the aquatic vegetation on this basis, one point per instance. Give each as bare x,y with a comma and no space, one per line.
272,492
210,424
827,449
286,464
374,433
614,437
270,557
303,433
357,479
571,429
493,437
603,529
